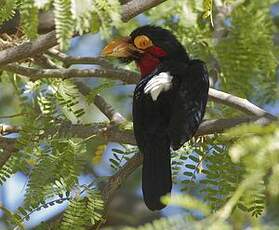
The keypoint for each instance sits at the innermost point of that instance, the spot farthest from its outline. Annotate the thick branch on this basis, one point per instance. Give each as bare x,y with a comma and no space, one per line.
207,127
136,7
115,134
115,181
28,49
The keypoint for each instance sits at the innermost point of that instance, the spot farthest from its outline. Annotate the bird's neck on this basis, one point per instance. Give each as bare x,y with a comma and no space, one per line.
147,64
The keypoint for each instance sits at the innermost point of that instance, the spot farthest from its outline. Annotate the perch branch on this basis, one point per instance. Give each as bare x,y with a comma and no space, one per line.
131,77
12,116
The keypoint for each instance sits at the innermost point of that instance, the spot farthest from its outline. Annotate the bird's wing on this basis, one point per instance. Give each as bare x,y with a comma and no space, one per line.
189,104
151,107
151,119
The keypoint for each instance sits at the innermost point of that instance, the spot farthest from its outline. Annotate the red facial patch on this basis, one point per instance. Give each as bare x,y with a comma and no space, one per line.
150,60
156,51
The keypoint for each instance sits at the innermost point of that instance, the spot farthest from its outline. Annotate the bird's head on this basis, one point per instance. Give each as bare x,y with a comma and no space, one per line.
148,46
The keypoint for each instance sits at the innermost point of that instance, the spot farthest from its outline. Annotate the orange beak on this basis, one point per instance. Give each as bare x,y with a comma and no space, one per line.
121,48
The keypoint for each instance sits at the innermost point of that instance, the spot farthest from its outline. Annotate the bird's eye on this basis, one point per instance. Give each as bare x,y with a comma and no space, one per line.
142,42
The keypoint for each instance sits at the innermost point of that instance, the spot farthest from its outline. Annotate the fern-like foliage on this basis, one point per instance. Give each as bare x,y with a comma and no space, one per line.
121,155
108,15
7,10
62,162
247,55
235,177
29,18
83,211
52,162
64,22
70,16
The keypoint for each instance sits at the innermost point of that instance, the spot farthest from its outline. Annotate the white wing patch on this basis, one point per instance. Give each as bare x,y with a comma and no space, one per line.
158,84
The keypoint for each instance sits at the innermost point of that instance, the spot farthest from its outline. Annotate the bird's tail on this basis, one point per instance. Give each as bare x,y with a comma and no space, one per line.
156,172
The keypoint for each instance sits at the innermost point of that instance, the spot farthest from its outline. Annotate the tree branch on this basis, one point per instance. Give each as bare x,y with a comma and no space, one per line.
131,77
108,110
70,60
36,74
28,49
136,7
7,129
8,146
238,103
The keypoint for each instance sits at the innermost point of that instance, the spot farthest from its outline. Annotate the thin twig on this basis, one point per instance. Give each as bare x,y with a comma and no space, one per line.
70,60
12,116
36,74
45,62
238,103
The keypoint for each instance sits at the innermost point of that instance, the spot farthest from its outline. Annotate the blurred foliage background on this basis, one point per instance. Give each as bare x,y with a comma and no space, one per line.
227,181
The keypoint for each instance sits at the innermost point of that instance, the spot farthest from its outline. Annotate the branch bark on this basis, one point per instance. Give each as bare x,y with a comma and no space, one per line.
136,7
70,60
9,148
36,74
238,103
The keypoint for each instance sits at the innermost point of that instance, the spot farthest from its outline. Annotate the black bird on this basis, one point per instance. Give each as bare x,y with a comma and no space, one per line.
168,105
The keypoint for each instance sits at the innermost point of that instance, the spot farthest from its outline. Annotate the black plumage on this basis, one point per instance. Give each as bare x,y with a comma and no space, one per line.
172,118
167,122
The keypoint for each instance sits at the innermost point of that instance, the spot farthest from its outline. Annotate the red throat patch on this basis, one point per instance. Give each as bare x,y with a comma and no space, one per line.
150,60
147,64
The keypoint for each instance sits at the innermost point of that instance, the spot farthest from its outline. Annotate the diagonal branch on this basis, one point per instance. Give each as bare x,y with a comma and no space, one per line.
108,110
238,103
28,49
136,7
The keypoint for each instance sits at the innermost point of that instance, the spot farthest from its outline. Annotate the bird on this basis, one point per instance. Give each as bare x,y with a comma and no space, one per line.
169,102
